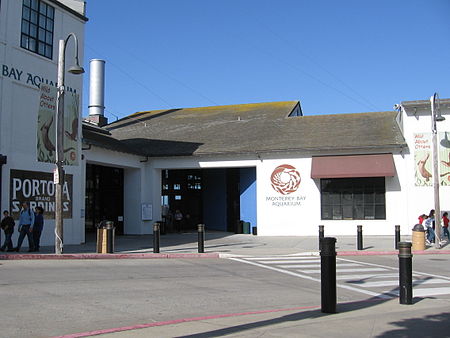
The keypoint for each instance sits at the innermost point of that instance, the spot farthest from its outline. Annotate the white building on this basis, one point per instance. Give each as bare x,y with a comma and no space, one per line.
269,165
29,35
265,164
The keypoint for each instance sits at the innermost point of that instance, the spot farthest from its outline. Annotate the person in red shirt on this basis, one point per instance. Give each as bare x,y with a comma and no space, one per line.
445,220
422,218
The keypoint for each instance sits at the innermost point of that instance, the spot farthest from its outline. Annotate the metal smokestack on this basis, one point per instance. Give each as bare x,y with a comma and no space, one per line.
97,88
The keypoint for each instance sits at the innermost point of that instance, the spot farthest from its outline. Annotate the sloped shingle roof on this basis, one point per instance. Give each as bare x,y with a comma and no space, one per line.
253,128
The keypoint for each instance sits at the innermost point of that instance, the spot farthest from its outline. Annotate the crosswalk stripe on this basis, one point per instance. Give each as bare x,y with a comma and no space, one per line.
293,261
396,283
426,292
345,270
364,276
299,266
279,258
291,273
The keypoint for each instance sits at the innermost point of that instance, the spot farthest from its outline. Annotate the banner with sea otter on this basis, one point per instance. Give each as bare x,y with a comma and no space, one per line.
46,126
423,159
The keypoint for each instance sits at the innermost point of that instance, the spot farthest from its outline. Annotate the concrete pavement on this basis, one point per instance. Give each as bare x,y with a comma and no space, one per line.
220,244
369,318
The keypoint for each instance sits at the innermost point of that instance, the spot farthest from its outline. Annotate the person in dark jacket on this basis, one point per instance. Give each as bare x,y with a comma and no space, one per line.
37,227
7,226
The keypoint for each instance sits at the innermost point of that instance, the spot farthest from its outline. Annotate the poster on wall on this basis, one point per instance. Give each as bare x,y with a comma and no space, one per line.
46,126
146,211
285,181
423,159
37,188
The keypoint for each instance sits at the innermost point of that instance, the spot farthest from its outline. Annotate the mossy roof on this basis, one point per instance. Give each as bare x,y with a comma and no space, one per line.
253,128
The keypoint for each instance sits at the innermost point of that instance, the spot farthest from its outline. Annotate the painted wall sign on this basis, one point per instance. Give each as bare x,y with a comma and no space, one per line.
38,189
17,74
285,180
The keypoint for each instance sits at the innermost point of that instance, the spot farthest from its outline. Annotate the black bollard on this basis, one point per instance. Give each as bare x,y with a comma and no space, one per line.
201,238
156,233
359,237
328,274
405,272
397,236
321,235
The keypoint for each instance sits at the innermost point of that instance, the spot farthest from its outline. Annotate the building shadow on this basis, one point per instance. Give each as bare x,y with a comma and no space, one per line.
436,325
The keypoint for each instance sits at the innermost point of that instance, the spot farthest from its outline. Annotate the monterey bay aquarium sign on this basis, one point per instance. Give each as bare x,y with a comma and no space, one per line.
37,188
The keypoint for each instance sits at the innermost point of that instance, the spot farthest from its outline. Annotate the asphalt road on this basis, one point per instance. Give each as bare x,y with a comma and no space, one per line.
50,298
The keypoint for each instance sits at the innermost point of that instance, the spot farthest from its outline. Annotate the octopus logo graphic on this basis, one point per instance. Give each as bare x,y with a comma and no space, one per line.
285,179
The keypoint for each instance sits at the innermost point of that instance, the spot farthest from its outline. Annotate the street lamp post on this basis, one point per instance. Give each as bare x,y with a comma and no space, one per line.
436,117
59,171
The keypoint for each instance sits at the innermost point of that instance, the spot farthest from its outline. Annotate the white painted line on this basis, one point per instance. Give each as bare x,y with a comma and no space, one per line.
293,261
396,283
300,266
291,273
366,276
281,258
426,292
346,270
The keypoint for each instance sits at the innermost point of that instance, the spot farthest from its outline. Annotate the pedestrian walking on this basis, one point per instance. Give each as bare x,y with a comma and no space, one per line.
26,222
445,222
7,226
37,227
178,220
429,224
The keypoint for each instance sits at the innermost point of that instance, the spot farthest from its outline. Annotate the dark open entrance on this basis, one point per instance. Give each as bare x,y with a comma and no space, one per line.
219,198
104,196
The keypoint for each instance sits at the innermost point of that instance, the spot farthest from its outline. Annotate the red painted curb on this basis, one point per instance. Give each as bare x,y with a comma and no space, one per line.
107,256
186,320
374,253
178,321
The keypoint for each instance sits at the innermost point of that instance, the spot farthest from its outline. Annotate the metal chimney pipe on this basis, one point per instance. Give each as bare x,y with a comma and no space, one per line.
97,87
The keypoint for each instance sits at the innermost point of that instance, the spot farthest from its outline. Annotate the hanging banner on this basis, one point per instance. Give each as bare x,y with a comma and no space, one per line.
37,189
423,159
46,126
444,157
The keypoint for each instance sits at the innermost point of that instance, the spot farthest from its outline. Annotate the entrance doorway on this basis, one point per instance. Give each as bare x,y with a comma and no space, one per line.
182,190
219,198
104,196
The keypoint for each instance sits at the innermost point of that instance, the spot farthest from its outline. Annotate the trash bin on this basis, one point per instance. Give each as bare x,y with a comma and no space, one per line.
105,237
246,228
239,227
254,230
418,237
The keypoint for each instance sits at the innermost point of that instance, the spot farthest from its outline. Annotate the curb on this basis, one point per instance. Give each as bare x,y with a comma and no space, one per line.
395,252
107,256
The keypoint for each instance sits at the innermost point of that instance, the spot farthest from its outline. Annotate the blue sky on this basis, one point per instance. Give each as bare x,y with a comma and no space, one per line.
334,56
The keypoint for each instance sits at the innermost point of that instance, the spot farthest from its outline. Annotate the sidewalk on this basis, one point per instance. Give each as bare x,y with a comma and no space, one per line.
426,318
220,244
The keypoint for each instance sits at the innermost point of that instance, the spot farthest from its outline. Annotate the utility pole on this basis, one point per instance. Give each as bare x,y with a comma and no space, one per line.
436,117
58,175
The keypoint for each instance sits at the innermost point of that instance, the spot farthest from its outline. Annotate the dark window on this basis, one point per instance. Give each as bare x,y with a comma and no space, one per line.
353,198
37,27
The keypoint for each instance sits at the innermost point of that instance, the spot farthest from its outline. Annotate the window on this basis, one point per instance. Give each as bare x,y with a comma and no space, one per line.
353,198
37,27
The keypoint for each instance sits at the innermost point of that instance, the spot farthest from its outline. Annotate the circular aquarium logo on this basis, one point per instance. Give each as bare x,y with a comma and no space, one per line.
285,179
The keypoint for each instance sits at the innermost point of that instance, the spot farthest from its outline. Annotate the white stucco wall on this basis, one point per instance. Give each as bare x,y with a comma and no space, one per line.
21,71
420,199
